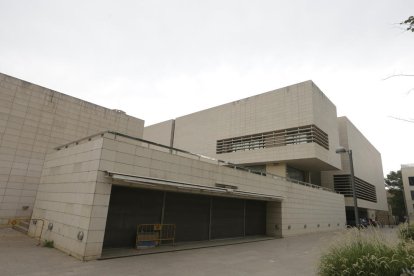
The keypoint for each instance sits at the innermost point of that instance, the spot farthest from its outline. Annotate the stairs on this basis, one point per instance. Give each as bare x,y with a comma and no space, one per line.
22,225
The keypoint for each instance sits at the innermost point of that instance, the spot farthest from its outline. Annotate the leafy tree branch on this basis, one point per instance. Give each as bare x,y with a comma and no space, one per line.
395,187
409,23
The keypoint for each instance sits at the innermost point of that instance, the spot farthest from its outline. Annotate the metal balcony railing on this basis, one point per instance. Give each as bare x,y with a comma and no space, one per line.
180,152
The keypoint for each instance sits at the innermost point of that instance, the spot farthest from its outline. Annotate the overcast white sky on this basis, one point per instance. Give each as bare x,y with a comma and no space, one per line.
158,60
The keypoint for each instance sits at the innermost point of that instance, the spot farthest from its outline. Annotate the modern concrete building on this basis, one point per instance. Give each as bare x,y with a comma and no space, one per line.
369,180
407,172
292,132
100,188
34,120
264,165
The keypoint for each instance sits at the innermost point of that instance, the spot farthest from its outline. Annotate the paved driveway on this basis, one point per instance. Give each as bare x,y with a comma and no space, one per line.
19,255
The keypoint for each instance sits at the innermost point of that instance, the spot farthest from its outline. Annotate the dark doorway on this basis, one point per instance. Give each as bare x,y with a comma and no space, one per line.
128,208
197,217
227,218
350,215
255,218
191,215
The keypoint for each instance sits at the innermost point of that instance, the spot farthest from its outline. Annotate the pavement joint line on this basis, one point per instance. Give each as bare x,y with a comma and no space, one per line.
184,249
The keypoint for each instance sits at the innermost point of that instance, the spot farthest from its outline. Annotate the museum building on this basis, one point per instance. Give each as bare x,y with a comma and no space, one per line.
261,166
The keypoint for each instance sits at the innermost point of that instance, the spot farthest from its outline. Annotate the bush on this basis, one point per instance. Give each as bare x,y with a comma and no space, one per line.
48,243
368,254
406,232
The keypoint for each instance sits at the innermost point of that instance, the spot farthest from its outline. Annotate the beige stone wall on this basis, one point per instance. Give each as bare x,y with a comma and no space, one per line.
300,205
34,120
318,210
385,217
160,133
324,115
408,171
277,169
70,199
296,105
367,164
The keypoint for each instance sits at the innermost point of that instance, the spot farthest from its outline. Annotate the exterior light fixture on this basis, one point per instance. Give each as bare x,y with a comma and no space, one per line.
80,235
351,166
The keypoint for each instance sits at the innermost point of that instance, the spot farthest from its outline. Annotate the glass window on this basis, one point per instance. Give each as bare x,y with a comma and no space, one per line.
258,169
295,174
411,180
412,195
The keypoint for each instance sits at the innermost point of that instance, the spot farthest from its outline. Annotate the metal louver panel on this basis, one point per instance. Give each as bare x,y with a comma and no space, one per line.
276,138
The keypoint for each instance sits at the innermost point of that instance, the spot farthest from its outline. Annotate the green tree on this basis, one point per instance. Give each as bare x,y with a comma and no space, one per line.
409,23
395,187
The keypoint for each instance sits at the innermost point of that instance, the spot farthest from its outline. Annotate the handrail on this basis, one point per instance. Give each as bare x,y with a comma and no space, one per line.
41,230
31,220
199,156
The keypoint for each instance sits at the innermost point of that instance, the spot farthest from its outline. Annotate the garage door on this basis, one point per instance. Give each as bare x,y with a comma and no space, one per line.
197,217
191,215
255,217
227,218
128,208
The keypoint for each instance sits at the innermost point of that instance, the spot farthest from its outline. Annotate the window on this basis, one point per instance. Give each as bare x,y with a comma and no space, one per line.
412,195
258,169
295,174
411,180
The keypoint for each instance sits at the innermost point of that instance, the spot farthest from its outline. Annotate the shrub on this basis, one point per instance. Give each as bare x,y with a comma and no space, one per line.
360,254
406,232
48,243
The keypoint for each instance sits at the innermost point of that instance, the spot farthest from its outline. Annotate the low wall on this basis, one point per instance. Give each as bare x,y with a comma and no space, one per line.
69,201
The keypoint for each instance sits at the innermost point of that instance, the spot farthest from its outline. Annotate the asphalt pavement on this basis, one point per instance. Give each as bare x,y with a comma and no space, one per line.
20,255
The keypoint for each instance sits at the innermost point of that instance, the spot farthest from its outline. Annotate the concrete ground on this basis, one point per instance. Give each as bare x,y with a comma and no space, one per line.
20,255
110,253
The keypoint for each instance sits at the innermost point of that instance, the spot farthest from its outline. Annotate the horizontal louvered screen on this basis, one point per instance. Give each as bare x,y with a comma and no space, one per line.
276,138
364,190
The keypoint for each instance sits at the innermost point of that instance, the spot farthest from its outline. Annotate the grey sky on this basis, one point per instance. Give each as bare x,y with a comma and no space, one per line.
158,60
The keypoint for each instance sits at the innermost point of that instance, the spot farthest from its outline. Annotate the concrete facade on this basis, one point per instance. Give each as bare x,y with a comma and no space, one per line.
296,105
34,120
75,190
407,172
367,166
61,160
283,110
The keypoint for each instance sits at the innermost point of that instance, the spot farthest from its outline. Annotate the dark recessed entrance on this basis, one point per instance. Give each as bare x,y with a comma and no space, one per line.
227,218
350,214
190,214
128,208
197,217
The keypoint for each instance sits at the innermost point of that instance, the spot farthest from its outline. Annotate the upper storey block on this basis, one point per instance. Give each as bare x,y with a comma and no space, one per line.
295,125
